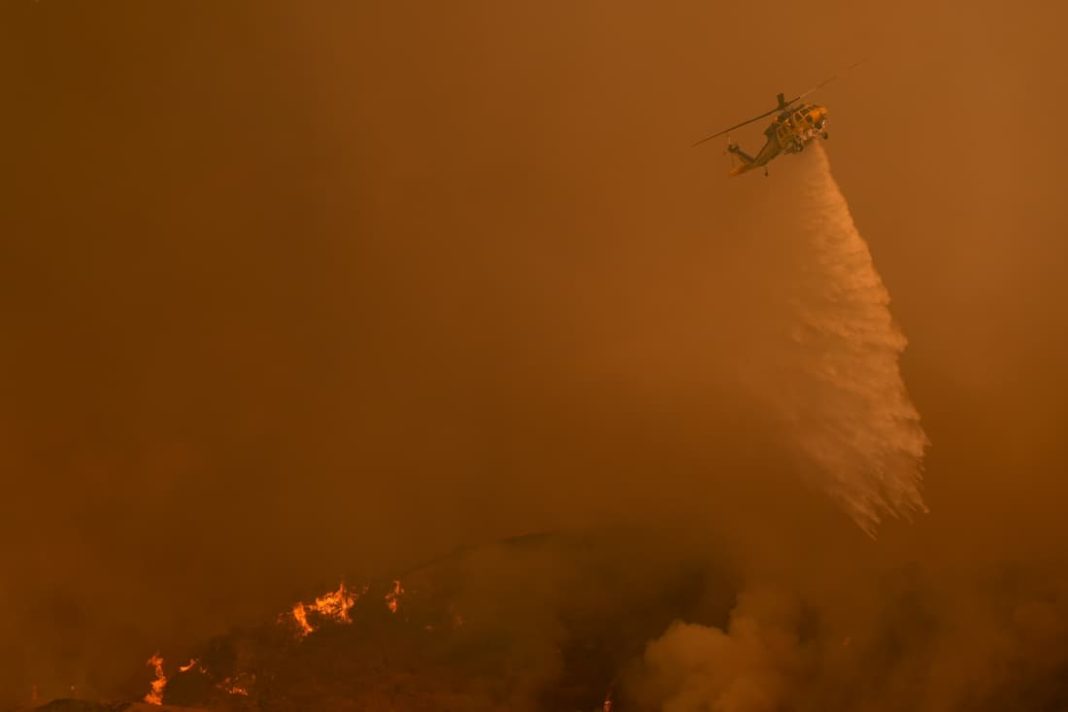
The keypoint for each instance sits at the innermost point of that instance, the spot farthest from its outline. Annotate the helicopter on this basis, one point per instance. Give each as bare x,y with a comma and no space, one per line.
795,126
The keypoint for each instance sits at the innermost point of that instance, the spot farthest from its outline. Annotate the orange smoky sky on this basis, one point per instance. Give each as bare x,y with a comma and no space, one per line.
295,291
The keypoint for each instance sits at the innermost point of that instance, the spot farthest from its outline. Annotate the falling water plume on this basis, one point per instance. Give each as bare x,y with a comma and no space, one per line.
848,410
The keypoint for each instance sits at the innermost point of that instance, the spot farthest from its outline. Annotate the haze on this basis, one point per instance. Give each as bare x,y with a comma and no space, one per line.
300,291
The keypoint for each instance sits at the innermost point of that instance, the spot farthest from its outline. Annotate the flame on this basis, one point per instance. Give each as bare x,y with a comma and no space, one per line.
155,695
334,606
190,665
238,684
393,597
300,615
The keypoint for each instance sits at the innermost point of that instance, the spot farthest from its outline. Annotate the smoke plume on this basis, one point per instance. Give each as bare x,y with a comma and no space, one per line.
743,669
299,296
991,642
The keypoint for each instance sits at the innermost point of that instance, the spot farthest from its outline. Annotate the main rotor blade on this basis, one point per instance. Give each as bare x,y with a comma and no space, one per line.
827,81
777,109
738,126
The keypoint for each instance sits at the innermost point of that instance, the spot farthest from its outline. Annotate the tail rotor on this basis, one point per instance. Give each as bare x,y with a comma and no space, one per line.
731,152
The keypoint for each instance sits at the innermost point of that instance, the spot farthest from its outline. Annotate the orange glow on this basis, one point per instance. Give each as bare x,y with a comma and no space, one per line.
300,615
333,606
188,666
155,695
393,597
235,686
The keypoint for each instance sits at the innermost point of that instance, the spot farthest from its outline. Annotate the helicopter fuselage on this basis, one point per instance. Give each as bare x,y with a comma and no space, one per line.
790,132
794,129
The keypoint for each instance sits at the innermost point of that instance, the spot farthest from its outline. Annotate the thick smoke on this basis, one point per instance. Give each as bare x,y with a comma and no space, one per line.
902,641
840,388
296,294
746,668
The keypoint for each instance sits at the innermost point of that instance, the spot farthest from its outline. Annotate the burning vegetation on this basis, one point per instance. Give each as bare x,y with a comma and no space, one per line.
333,607
159,684
394,596
516,625
587,623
